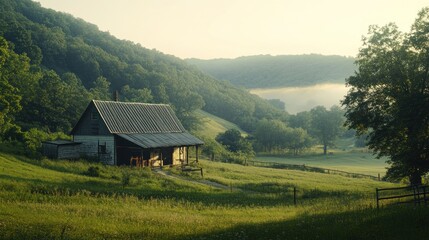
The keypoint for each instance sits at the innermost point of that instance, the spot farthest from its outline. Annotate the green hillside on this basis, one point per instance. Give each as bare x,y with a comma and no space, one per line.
44,199
211,125
265,71
54,64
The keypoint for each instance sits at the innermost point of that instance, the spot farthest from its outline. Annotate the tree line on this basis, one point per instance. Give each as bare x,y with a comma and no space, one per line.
294,136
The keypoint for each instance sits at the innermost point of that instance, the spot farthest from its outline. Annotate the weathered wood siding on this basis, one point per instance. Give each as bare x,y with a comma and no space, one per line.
68,152
91,123
55,151
90,147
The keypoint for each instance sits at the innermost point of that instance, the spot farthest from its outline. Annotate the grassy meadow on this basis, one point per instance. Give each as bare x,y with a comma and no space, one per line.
46,199
213,125
353,162
344,157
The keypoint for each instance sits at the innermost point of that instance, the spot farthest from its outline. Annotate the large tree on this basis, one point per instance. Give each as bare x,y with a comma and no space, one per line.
389,97
232,139
326,125
14,70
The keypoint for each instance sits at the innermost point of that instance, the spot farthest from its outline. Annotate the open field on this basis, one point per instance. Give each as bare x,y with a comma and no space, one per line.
47,199
354,162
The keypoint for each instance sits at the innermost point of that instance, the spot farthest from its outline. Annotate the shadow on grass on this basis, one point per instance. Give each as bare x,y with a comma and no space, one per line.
388,223
94,188
150,187
262,194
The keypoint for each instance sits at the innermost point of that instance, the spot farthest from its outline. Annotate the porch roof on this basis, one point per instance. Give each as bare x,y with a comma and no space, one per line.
159,140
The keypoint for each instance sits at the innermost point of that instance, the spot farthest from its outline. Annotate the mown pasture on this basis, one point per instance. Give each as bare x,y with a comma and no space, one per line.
353,161
45,199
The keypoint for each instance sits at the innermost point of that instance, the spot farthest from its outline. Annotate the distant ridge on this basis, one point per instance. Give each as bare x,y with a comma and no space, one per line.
266,71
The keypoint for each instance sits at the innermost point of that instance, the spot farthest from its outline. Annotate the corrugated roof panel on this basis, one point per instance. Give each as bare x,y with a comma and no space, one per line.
121,117
61,142
157,140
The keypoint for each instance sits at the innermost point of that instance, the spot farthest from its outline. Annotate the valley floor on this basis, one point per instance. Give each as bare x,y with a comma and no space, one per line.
354,162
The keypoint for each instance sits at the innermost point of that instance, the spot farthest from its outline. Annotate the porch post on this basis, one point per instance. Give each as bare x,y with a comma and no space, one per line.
187,155
196,150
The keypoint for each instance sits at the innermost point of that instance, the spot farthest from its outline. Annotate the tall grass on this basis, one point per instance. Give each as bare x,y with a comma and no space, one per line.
58,200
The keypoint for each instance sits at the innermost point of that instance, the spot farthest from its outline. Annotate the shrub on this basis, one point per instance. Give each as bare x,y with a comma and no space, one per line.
126,178
34,137
93,171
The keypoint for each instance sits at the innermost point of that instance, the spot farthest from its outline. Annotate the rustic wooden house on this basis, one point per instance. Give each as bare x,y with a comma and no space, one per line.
124,133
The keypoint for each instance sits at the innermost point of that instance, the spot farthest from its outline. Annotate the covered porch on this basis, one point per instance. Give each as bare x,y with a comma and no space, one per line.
154,150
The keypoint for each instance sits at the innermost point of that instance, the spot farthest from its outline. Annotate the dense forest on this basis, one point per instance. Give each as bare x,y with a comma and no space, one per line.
52,64
265,71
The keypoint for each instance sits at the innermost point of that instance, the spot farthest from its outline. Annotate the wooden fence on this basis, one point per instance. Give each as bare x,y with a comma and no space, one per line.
303,167
399,195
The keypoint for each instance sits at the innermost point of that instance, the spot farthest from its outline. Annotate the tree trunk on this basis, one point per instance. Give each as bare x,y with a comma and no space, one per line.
415,179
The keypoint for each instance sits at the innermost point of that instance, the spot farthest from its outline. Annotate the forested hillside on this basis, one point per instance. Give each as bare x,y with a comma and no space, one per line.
265,71
52,64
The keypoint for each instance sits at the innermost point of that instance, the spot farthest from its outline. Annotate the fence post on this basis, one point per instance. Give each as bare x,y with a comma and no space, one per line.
414,193
294,195
376,194
379,177
424,194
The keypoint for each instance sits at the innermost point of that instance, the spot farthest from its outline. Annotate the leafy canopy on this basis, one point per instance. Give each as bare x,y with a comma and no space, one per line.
389,96
326,125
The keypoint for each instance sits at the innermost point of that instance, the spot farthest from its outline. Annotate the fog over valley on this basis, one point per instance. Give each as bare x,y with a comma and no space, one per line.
298,99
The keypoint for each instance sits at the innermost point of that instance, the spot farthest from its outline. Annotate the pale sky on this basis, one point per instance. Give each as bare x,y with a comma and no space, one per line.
231,28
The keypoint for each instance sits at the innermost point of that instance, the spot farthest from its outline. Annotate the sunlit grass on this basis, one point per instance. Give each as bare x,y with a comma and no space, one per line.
350,161
56,200
284,180
213,125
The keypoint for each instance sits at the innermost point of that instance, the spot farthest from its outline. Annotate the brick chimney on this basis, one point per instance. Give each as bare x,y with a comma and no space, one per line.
116,96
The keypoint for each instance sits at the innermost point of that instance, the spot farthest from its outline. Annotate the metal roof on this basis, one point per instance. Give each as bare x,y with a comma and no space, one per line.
157,140
61,142
146,125
127,117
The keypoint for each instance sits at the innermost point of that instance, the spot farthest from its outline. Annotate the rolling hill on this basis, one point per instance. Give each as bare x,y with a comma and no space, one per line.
211,125
265,71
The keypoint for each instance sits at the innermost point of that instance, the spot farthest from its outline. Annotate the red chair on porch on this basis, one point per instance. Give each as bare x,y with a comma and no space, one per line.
138,160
